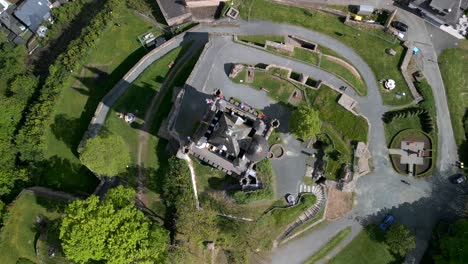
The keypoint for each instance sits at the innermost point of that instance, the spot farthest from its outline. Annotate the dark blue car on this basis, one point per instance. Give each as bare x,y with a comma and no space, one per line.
387,222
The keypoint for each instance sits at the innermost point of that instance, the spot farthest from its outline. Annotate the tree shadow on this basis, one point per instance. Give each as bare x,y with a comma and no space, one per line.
64,128
62,175
282,113
445,202
47,55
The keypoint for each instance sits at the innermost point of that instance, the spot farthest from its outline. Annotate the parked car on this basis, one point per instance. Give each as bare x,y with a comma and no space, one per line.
400,26
458,179
387,222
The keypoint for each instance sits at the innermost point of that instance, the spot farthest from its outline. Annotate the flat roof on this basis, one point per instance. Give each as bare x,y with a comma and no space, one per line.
172,8
444,5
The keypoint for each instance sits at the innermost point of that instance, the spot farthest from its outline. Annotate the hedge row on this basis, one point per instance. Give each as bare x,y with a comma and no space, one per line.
30,139
427,123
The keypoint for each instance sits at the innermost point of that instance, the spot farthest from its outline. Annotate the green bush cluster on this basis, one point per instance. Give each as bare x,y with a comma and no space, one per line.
17,85
30,138
427,122
62,17
265,173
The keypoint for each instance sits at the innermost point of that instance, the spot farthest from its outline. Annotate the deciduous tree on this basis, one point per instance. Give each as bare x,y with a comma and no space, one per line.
454,245
106,154
305,122
400,240
112,230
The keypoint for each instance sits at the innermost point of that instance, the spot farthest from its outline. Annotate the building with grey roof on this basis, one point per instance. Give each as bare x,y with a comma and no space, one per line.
231,137
440,12
33,13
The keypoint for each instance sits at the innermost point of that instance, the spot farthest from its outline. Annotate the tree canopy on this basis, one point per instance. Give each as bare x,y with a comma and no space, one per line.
305,122
400,240
111,230
106,154
454,245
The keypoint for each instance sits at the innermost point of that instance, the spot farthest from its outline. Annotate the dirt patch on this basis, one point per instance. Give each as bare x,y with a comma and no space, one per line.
339,204
296,97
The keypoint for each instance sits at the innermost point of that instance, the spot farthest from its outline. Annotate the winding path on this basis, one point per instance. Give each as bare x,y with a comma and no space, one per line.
419,205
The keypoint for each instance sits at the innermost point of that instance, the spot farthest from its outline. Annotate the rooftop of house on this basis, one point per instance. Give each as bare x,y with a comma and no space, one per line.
172,9
444,5
12,23
33,13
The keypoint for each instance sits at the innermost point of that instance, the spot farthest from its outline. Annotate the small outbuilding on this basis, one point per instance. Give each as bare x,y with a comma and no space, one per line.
365,10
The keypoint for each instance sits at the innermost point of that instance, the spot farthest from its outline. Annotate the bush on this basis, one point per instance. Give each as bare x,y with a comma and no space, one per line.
30,139
305,122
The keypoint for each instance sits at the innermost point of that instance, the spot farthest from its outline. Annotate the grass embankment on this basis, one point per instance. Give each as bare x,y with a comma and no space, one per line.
20,232
454,69
260,40
114,54
157,155
368,44
343,72
278,88
365,248
341,127
137,99
331,244
275,222
314,58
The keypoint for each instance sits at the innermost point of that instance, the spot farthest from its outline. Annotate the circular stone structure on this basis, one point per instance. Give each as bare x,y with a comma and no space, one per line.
276,151
413,136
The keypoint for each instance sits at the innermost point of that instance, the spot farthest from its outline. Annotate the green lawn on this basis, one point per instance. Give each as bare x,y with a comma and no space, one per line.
209,178
260,39
365,43
274,223
365,248
331,244
454,70
114,54
400,124
18,235
344,73
326,64
341,127
137,99
283,73
348,125
277,88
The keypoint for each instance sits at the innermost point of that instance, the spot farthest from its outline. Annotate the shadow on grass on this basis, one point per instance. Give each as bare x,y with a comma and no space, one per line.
445,202
47,56
62,175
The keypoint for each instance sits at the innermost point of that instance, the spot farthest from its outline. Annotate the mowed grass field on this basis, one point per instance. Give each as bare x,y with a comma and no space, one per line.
454,69
366,43
137,99
18,235
114,54
364,250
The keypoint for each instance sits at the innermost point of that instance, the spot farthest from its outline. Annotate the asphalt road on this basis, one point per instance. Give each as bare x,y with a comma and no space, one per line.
420,205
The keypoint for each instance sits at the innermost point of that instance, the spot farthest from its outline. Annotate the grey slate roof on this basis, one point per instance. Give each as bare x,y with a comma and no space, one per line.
33,12
11,23
444,5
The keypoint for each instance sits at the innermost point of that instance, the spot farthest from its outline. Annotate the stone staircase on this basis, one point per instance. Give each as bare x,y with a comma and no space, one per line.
311,212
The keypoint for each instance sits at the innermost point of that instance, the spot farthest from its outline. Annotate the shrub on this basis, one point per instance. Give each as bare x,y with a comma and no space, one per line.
30,138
